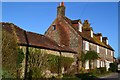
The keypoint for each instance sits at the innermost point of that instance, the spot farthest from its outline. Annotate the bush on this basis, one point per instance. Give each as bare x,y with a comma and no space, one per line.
113,67
86,76
100,70
57,62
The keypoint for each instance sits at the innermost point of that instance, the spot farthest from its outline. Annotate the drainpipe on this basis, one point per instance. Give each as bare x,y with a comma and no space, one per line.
26,56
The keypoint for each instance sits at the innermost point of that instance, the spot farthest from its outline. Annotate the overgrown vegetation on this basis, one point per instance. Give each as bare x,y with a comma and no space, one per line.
9,55
39,62
20,57
58,62
91,56
113,67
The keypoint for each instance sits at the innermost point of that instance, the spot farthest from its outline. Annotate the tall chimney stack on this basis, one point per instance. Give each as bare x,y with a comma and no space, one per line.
61,9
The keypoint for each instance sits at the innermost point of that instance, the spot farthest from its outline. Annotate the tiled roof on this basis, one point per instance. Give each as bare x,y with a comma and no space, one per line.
31,39
86,36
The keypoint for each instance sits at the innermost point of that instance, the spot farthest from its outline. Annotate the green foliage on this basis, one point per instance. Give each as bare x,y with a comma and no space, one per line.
57,62
9,53
91,55
53,62
82,58
86,76
37,62
34,72
20,57
100,70
113,67
6,74
66,62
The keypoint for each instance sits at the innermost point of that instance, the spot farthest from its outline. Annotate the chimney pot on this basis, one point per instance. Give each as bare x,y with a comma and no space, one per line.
62,4
61,9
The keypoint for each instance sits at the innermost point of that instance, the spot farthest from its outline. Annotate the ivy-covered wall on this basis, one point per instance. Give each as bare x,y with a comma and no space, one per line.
9,55
47,63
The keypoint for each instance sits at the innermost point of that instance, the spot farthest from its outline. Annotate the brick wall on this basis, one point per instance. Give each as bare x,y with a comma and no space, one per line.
64,34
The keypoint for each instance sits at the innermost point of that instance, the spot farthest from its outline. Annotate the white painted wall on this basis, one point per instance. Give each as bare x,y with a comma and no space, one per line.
87,64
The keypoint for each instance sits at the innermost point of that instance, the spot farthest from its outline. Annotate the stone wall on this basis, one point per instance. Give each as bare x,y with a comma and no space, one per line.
64,34
38,61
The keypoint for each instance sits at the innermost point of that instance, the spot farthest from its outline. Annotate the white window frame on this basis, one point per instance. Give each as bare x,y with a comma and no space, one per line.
101,63
106,51
54,27
101,38
111,53
80,26
86,45
98,49
91,33
98,63
87,64
107,42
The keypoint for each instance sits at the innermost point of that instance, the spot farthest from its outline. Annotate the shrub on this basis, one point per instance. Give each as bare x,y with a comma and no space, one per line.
101,70
57,62
113,67
20,57
86,76
9,54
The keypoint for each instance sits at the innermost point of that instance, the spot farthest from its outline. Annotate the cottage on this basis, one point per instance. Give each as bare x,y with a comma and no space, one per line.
80,37
64,38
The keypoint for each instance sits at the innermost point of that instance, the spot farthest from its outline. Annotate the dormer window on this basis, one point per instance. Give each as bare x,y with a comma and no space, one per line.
101,38
54,27
107,42
91,33
80,26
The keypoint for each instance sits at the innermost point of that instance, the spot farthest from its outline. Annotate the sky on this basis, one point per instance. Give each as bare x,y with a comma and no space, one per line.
38,16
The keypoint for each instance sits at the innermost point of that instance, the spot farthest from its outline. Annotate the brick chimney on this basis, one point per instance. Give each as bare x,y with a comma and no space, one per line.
61,9
87,29
105,40
99,36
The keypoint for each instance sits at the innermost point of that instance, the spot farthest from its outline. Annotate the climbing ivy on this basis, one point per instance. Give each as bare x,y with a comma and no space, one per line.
20,57
39,61
57,62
